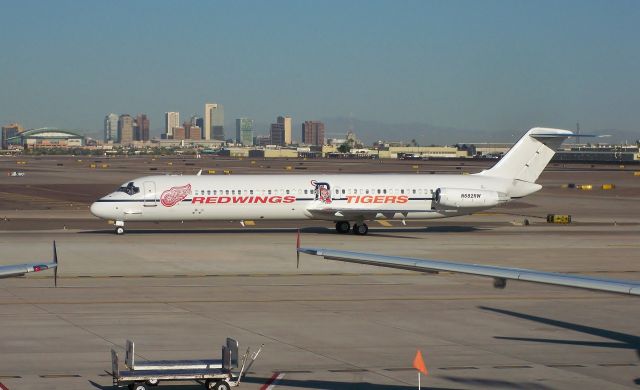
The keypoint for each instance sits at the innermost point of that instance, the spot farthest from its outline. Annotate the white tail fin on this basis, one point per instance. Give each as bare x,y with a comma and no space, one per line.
527,159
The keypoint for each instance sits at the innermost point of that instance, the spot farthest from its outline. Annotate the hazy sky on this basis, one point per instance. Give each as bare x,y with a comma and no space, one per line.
487,65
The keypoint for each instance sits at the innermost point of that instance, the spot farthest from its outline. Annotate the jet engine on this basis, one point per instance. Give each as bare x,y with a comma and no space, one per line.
466,198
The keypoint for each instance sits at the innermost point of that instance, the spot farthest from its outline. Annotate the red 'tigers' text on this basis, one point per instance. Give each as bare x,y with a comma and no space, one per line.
380,199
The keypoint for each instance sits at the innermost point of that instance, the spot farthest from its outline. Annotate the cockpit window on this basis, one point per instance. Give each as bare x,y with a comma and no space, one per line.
129,189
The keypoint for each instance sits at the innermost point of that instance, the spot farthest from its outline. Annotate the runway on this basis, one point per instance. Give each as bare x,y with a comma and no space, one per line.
178,290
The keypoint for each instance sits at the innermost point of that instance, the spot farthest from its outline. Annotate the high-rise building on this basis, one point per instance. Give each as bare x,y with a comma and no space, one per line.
195,132
244,131
110,127
313,133
179,133
171,120
214,121
276,134
141,130
125,129
286,122
200,123
262,140
9,131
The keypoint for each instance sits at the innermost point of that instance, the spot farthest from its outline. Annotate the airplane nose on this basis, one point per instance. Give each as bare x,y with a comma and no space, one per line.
100,210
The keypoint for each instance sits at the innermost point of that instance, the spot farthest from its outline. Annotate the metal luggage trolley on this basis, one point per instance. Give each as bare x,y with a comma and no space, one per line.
216,374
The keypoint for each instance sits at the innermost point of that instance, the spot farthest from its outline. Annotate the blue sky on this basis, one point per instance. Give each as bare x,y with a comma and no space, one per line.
476,65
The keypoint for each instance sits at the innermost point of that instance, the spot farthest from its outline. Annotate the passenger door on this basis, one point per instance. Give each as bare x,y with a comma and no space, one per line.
149,194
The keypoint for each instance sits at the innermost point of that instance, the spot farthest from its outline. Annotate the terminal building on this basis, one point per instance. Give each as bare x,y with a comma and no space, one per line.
599,153
46,138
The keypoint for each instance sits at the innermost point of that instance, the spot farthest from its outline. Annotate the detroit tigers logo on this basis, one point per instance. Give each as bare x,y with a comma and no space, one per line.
174,195
323,191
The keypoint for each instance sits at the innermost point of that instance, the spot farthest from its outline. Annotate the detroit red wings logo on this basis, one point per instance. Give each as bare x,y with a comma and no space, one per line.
174,195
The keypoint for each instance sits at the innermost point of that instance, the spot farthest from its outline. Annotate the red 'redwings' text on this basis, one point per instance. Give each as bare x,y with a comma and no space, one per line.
242,199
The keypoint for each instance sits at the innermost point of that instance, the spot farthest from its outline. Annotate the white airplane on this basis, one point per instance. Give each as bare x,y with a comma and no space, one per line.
343,198
499,274
7,271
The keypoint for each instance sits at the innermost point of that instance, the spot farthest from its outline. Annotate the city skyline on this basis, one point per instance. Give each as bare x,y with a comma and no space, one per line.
413,65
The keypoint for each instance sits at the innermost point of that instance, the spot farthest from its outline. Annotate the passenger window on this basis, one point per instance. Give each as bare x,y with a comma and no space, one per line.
402,191
250,192
226,192
378,190
367,191
208,192
269,192
414,191
343,191
384,191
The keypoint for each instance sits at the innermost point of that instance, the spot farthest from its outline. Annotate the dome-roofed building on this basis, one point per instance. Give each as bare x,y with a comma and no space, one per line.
47,138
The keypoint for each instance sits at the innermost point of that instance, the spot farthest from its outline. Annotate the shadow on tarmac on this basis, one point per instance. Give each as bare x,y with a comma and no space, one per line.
617,339
326,384
300,383
496,383
621,340
375,232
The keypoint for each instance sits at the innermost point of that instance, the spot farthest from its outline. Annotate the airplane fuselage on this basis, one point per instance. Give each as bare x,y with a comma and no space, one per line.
323,197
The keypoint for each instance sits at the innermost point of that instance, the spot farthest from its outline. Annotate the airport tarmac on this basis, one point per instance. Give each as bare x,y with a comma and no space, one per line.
179,290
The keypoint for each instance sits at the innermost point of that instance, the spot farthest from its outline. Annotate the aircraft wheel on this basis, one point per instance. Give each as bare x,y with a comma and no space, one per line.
153,382
220,385
137,386
361,230
119,230
343,227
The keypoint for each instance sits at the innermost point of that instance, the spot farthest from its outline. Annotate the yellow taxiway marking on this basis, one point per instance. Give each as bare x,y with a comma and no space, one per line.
385,223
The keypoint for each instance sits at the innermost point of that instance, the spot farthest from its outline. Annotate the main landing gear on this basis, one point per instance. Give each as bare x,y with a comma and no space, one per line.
343,227
360,229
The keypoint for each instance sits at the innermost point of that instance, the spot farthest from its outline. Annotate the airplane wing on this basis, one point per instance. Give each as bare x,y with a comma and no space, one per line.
499,274
7,271
365,213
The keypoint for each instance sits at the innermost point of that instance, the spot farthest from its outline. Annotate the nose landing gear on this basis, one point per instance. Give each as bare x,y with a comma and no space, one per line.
119,230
